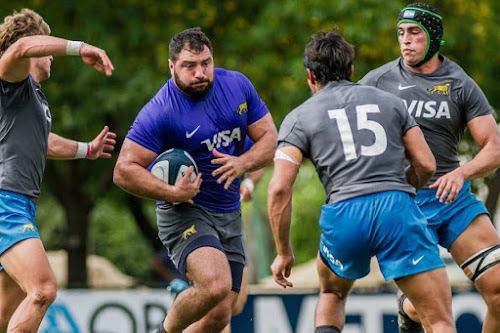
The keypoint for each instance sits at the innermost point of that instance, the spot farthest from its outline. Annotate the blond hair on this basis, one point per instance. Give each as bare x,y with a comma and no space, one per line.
21,24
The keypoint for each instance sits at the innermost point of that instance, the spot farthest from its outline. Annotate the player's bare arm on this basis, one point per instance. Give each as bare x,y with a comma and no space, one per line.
422,162
100,147
279,207
15,63
485,133
264,135
131,175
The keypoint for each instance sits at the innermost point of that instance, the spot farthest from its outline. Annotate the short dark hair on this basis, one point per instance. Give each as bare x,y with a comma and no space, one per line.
329,57
194,37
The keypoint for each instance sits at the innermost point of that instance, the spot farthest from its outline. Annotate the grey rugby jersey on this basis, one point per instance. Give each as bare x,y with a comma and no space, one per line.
353,135
442,103
25,122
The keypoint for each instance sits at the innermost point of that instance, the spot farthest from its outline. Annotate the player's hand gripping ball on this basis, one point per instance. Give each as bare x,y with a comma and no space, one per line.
172,165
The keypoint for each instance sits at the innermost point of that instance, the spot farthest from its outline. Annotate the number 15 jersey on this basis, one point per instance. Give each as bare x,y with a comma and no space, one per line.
353,135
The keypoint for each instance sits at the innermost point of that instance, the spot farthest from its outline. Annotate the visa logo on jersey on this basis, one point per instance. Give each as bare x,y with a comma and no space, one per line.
223,138
429,109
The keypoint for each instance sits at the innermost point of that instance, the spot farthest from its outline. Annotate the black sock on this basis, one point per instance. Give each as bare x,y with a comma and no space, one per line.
161,329
326,329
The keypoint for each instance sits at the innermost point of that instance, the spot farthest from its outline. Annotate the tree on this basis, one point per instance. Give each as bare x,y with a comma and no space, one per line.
264,40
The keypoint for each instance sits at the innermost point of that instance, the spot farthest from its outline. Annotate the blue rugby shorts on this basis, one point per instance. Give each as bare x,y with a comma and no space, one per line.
17,220
447,221
388,225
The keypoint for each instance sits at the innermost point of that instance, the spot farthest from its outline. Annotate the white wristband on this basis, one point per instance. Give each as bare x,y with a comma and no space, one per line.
83,150
248,183
73,47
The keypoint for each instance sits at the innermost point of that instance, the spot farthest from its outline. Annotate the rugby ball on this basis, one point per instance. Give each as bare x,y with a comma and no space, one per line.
172,165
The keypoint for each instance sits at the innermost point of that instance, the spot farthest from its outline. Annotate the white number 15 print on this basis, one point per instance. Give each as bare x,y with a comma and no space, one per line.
380,144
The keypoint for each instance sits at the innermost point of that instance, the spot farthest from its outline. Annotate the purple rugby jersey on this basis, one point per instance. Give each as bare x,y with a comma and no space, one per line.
218,120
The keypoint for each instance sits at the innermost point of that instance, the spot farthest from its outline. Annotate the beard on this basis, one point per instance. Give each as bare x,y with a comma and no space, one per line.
192,91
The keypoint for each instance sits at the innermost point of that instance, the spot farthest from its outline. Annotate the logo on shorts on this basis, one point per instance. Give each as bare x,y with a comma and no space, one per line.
416,261
440,89
188,232
332,259
28,227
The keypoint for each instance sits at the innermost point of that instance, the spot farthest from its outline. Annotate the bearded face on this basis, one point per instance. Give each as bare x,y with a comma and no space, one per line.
194,89
193,72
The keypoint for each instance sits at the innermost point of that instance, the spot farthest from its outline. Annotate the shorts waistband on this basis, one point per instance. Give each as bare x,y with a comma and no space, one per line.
18,196
427,192
14,194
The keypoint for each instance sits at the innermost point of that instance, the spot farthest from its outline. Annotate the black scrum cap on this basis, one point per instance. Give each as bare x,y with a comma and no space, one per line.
429,19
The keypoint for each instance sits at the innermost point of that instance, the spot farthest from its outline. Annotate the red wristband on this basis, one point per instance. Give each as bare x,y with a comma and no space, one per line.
88,149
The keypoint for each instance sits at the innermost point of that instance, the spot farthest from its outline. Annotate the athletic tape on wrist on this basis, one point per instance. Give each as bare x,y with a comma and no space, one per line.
73,47
247,182
82,150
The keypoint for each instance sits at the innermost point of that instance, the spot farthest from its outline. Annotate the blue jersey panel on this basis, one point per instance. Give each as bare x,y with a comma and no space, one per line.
217,121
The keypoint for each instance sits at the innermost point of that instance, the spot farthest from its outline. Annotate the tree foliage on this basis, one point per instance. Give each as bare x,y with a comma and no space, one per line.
264,40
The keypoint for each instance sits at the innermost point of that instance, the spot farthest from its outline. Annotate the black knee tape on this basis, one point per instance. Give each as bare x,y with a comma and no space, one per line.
327,329
237,275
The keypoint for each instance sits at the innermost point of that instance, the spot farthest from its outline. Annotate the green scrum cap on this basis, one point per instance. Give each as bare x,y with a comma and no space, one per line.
428,18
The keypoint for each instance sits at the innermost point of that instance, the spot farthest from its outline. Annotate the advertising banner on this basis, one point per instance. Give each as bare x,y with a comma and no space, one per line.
142,311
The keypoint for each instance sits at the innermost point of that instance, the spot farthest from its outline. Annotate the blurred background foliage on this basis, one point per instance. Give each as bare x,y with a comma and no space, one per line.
82,212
